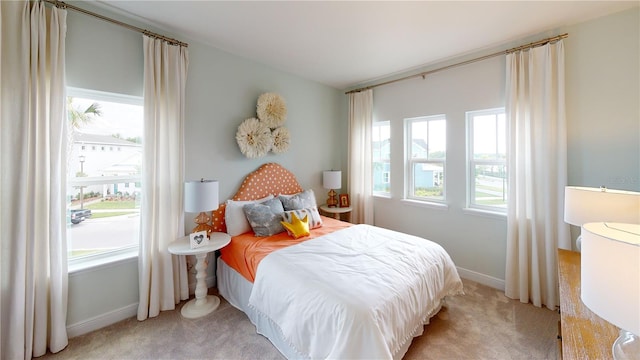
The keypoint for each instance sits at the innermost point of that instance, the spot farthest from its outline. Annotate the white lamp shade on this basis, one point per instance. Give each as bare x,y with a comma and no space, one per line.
583,205
332,179
200,195
610,273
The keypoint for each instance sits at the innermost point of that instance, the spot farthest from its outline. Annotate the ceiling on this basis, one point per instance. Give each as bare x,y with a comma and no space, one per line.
341,44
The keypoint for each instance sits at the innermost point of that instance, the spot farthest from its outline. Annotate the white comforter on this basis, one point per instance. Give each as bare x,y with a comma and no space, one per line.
361,292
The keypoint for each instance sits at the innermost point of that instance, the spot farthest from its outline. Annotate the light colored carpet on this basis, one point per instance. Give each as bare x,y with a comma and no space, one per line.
482,324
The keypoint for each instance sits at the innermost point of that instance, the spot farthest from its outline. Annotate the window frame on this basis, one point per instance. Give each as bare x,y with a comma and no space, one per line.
81,262
410,162
471,162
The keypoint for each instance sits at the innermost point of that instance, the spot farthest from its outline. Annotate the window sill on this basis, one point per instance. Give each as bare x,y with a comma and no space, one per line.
485,213
424,204
90,263
382,196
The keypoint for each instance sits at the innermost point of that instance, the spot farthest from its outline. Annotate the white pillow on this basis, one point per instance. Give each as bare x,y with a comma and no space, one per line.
235,218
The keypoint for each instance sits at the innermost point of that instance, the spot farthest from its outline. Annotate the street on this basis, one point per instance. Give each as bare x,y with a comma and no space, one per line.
105,233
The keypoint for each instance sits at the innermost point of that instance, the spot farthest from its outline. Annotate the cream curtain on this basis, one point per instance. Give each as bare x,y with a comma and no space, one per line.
535,108
360,178
163,278
33,180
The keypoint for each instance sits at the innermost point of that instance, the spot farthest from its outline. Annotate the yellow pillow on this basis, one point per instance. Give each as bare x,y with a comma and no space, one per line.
297,228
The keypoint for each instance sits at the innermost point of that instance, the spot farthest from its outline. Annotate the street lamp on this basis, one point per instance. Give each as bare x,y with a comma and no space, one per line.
82,158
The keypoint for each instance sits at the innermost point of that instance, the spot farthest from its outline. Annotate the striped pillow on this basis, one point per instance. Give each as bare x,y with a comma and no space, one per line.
315,221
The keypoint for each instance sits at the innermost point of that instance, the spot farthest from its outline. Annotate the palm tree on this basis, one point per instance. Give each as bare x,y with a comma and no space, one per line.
78,117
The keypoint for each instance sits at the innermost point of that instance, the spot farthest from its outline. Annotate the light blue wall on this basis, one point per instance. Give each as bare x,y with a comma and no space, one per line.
222,91
603,119
602,110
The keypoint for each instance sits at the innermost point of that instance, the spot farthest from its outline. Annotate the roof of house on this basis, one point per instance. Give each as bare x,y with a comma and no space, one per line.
79,138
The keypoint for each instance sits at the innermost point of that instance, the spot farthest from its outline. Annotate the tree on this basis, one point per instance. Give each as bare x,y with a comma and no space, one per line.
78,117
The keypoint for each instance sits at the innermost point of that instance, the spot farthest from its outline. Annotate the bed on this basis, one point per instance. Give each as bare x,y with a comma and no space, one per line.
343,291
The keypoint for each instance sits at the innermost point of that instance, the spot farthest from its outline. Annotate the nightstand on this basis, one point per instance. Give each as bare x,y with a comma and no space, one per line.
583,334
203,304
336,211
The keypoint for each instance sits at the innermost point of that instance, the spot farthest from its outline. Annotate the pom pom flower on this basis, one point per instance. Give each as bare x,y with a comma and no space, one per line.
254,138
281,139
271,110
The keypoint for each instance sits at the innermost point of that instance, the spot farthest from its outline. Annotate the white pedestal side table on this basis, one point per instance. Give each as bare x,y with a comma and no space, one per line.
336,211
203,304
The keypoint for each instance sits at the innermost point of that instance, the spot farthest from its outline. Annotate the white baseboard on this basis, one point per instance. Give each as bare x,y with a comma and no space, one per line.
112,317
483,279
101,320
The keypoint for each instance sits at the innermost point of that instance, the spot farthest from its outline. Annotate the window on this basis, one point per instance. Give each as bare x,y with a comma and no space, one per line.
425,157
106,183
487,153
381,155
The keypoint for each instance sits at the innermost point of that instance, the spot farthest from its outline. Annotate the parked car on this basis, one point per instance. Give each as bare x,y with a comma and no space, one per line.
78,215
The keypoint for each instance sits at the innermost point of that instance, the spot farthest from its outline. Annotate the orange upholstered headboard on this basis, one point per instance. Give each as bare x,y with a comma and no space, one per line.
270,178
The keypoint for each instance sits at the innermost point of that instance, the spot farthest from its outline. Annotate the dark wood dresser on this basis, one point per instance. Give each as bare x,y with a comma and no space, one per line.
583,334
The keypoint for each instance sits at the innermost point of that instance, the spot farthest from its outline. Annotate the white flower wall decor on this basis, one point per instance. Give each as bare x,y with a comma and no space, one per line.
281,139
257,136
254,138
272,110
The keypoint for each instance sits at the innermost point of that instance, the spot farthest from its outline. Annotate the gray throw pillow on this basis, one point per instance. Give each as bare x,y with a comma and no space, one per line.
305,199
265,217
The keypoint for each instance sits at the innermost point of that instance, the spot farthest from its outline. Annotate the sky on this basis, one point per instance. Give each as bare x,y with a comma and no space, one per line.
117,118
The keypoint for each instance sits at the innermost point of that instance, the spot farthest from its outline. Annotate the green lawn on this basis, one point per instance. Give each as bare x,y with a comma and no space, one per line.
109,205
98,215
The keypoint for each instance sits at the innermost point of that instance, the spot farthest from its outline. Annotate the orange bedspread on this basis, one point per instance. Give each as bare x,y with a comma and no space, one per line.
245,251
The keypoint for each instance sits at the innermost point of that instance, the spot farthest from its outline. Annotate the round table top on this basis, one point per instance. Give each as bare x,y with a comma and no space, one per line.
182,246
335,210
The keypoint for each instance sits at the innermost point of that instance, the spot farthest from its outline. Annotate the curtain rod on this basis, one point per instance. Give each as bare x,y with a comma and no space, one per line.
63,5
424,74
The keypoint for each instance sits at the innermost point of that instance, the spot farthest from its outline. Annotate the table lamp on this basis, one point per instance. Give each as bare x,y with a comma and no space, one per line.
201,196
610,280
583,205
332,179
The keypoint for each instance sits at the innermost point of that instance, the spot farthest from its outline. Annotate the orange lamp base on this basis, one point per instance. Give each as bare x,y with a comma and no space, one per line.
332,201
203,223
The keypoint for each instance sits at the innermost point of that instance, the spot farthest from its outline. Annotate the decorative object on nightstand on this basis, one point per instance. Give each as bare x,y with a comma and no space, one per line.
203,304
199,239
610,280
201,196
344,200
332,179
583,205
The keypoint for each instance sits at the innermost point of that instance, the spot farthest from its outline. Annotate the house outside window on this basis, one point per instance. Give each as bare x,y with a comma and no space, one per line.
106,183
426,139
381,155
487,155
